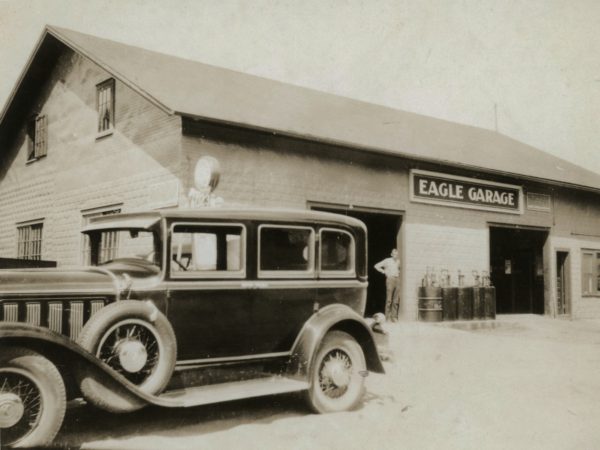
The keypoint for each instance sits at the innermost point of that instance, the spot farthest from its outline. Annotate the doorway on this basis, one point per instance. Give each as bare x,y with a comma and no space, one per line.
517,269
563,282
382,231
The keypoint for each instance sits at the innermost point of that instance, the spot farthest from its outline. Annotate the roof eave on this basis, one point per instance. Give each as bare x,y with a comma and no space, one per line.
22,75
394,153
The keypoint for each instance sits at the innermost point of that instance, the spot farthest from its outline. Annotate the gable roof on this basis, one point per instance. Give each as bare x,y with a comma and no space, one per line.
193,89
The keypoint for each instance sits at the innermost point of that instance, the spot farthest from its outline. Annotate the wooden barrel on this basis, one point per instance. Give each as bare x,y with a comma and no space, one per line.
489,303
430,304
449,300
465,303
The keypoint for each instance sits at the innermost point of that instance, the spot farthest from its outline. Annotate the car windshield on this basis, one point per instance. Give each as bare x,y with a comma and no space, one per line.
122,244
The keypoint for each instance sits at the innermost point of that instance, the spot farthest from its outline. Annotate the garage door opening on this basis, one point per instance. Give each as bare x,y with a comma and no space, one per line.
517,269
382,230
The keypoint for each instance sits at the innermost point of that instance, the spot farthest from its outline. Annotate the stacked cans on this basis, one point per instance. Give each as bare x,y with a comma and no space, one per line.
442,301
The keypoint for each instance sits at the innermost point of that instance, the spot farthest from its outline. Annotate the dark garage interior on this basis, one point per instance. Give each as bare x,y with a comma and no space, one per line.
517,269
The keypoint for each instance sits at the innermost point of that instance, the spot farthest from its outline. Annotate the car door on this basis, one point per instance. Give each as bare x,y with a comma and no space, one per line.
210,301
285,290
338,281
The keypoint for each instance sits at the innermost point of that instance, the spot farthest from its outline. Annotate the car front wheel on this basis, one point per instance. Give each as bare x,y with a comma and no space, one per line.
32,398
136,341
337,374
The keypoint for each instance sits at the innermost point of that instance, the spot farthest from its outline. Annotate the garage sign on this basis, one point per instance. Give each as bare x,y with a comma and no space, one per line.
462,192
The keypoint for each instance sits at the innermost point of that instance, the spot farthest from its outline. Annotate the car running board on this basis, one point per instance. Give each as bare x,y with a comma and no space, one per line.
216,393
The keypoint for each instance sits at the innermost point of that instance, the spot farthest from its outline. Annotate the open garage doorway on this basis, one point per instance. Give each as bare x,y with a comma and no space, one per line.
517,269
383,229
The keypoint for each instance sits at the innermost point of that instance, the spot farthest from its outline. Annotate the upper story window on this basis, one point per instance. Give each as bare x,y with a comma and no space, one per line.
286,251
208,251
29,241
105,101
37,136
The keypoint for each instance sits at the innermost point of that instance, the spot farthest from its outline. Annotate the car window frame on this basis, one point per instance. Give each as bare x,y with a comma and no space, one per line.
209,275
336,273
309,273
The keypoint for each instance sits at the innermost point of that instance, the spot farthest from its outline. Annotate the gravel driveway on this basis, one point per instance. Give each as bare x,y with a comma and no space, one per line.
523,382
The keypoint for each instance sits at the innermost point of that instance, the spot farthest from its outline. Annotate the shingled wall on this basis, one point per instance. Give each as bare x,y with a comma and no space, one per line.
82,170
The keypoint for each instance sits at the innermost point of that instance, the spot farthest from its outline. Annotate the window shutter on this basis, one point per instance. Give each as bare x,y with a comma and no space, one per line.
42,137
31,139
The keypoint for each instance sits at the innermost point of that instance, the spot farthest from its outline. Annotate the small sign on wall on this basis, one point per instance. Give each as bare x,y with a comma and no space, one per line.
462,192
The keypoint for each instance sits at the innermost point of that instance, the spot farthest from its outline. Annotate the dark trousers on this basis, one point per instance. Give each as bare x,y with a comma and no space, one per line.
392,297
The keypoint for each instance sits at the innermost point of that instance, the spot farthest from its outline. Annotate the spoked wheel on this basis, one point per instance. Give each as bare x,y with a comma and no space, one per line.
32,398
337,374
132,348
135,340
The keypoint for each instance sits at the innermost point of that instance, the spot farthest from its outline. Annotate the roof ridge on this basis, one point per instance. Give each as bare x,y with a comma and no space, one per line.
273,80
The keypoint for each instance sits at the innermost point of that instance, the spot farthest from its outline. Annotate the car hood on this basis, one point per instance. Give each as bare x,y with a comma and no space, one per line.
48,281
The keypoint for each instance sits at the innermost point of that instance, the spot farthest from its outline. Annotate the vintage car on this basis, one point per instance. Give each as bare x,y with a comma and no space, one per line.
188,307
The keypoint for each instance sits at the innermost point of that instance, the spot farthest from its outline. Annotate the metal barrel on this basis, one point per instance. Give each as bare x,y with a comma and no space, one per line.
449,303
489,303
430,304
478,302
465,303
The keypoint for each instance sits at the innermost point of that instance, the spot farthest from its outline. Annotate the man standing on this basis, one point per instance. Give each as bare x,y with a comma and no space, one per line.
390,267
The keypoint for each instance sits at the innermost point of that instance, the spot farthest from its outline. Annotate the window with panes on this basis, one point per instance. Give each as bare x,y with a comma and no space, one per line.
29,241
37,136
105,100
590,272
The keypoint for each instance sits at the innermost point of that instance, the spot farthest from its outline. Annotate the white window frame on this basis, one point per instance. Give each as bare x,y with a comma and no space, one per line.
27,244
595,292
110,85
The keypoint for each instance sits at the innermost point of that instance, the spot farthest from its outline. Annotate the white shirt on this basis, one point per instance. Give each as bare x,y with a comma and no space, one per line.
389,266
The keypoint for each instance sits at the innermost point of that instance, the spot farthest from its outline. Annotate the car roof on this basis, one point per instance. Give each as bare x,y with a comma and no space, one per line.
148,219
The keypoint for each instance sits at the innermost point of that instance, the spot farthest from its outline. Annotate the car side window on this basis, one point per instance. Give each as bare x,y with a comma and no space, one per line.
286,251
337,253
207,251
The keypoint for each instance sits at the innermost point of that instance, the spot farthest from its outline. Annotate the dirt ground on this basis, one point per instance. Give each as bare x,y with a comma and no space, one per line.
524,382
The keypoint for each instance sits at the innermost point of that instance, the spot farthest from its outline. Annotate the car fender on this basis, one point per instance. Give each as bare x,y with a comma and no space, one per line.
66,354
332,317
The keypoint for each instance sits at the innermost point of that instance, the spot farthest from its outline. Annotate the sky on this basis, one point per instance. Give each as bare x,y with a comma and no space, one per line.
529,69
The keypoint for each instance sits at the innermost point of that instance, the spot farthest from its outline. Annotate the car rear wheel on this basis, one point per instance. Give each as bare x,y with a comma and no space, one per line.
135,340
32,398
337,374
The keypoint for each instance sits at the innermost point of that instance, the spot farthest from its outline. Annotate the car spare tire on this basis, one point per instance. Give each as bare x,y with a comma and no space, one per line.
136,340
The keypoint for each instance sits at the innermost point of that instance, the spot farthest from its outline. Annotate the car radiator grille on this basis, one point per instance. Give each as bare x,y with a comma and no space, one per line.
61,316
